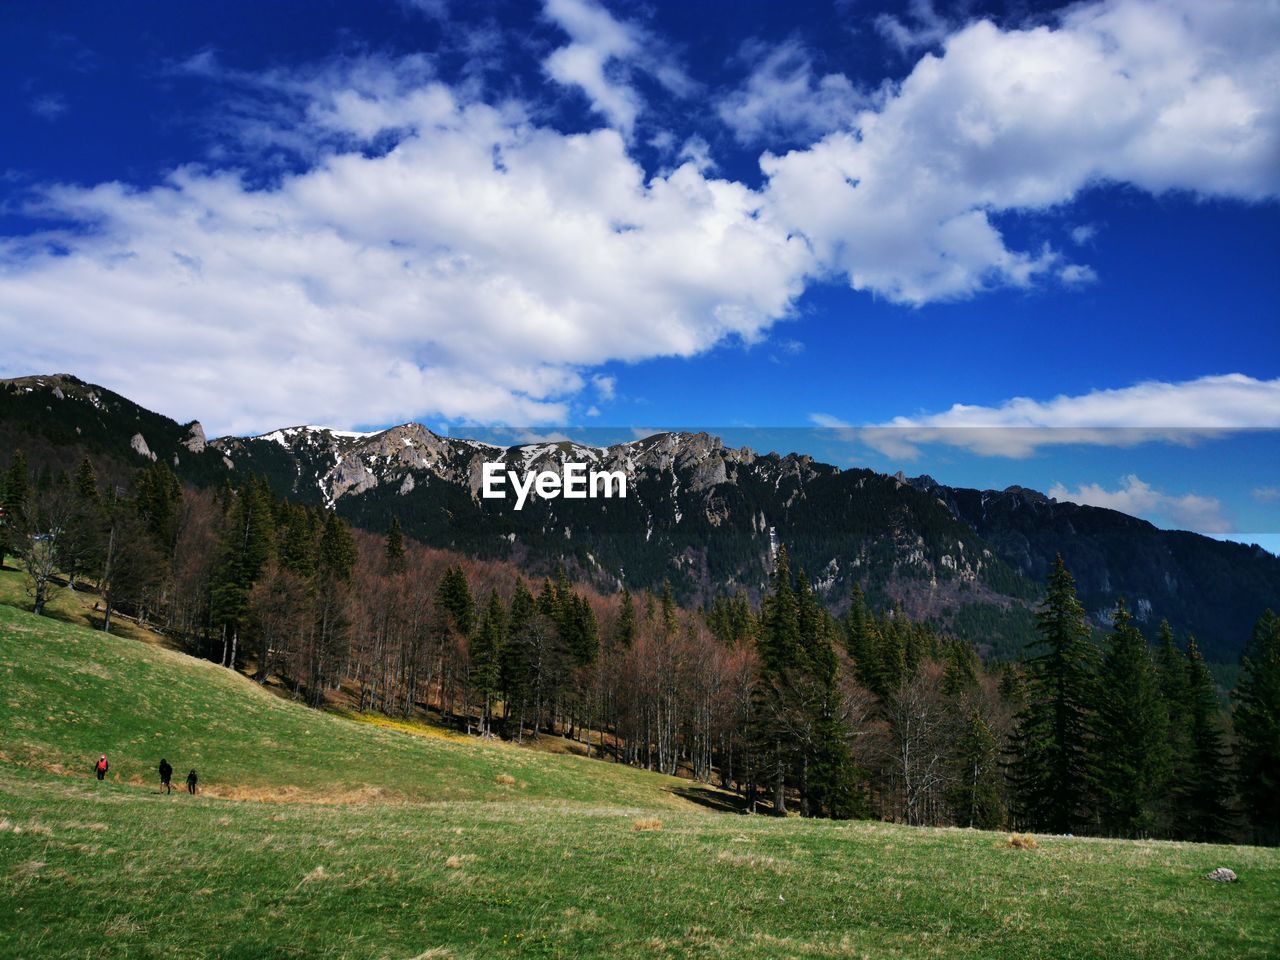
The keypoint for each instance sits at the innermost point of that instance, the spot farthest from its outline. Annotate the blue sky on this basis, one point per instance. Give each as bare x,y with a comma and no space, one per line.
721,215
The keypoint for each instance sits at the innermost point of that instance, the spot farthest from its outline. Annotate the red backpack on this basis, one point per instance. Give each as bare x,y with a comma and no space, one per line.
102,764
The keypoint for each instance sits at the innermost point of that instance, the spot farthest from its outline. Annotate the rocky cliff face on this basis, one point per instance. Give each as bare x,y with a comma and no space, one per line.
57,419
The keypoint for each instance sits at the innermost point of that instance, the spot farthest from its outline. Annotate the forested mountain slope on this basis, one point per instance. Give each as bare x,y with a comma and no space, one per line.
701,515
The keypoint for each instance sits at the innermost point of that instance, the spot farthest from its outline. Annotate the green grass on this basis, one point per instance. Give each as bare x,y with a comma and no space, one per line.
437,860
68,606
68,694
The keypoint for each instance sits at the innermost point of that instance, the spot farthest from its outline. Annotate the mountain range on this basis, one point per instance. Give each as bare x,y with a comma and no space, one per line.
703,516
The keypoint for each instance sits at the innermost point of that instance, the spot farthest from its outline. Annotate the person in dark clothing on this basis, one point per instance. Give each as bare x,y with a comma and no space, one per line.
100,768
166,774
191,782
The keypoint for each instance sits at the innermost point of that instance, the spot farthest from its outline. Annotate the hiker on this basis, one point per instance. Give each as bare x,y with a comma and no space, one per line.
166,773
191,783
101,767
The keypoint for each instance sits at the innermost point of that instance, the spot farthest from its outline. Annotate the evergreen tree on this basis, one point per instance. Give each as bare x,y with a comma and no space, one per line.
245,550
858,630
1012,685
730,619
742,619
516,660
779,647
1175,692
486,646
829,777
298,547
797,721
917,643
975,799
1051,772
1257,716
548,599
624,634
86,482
582,635
84,533
338,549
886,667
1130,733
15,496
1205,809
780,620
453,594
332,615
961,670
395,555
159,501
668,608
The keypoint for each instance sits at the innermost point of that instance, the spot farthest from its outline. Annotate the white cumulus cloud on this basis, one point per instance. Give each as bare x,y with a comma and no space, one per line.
602,54
424,253
784,98
474,270
1183,412
1138,498
1161,94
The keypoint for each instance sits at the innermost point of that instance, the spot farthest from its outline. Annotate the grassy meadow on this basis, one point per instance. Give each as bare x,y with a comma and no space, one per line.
320,836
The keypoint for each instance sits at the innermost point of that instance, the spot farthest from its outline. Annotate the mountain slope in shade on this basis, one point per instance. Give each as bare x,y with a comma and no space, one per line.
1209,587
57,419
704,516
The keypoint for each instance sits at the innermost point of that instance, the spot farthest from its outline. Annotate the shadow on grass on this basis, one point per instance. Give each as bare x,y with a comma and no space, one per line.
716,800
70,607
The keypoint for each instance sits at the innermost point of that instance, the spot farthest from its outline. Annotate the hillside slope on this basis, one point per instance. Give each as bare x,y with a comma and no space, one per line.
70,693
579,859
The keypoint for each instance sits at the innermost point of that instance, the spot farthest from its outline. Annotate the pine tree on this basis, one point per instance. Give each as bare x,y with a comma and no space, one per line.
298,547
332,618
15,496
975,799
1051,772
159,500
337,548
453,596
583,638
86,482
1205,809
886,667
961,671
858,629
779,647
829,776
1175,692
246,548
395,555
780,616
624,634
486,647
743,619
516,661
668,609
85,532
1257,722
1130,739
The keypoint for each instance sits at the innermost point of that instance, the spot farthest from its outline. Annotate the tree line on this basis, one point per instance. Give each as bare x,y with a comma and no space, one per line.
790,707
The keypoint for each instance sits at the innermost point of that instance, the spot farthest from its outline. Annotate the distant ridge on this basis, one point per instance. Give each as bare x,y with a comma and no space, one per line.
699,514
